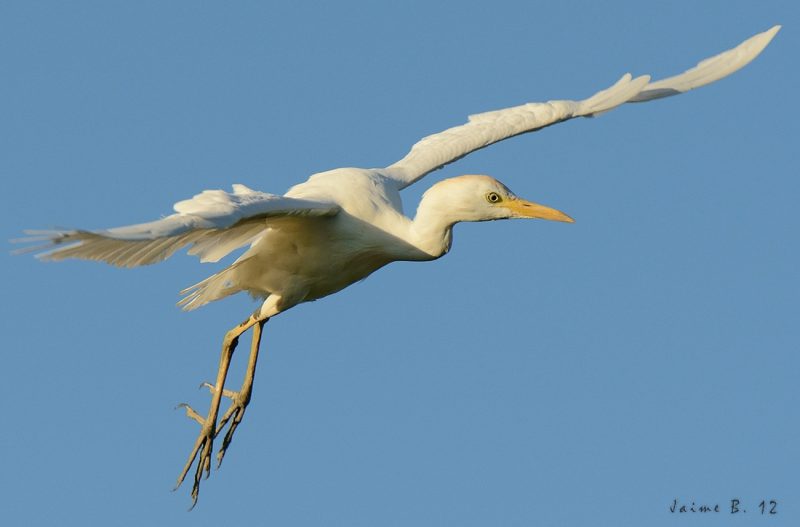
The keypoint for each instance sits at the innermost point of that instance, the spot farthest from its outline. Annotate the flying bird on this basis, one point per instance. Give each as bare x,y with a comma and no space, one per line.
340,226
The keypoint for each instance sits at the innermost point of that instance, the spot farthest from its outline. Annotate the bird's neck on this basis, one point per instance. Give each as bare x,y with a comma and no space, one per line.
432,227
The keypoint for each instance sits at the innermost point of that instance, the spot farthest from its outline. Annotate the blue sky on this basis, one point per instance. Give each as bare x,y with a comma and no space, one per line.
539,374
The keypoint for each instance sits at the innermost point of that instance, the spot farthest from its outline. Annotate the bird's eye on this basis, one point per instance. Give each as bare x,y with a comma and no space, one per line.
493,197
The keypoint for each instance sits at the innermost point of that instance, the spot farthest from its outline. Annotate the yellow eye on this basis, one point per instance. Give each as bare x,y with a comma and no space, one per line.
493,197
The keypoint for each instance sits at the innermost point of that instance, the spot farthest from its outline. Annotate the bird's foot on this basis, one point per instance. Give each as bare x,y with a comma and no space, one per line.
203,447
234,414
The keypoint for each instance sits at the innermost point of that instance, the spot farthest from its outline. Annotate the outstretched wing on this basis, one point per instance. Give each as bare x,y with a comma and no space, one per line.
213,223
437,150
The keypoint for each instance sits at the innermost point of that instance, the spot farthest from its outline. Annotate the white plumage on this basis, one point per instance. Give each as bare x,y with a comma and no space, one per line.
341,225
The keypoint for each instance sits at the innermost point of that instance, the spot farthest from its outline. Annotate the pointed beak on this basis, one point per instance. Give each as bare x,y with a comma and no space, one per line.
528,209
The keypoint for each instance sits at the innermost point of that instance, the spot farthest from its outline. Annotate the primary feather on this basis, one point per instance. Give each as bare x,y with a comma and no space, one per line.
437,150
214,223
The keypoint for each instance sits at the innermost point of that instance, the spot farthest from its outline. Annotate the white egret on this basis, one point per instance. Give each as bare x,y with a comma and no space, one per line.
340,226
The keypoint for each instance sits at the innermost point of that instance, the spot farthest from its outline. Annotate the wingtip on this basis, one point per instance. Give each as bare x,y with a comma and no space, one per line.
761,40
769,34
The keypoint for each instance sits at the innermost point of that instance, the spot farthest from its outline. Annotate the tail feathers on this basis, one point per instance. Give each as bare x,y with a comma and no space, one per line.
212,288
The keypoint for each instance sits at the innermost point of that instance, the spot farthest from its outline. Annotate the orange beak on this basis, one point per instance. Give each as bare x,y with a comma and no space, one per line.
528,209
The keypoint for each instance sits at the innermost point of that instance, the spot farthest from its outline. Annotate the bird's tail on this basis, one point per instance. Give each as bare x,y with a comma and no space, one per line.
212,288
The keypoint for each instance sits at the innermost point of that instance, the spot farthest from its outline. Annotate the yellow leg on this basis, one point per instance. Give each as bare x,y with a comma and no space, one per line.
205,440
240,399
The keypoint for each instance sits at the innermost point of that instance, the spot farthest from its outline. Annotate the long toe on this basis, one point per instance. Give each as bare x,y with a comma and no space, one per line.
201,453
191,413
230,394
235,413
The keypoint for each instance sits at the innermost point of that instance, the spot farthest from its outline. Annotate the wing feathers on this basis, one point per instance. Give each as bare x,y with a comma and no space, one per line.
437,150
709,70
608,99
484,129
87,245
214,223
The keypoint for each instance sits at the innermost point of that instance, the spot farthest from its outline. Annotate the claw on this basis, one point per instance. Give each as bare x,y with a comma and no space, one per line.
203,446
190,412
230,394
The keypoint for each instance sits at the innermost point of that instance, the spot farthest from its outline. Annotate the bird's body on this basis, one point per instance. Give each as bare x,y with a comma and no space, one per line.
303,258
340,226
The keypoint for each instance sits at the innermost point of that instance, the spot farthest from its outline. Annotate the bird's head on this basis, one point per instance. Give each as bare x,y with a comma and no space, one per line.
483,198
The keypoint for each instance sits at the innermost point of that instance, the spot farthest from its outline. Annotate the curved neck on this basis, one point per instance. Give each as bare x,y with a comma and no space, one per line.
432,227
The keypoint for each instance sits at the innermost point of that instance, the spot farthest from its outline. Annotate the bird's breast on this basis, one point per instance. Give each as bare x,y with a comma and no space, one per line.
320,256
